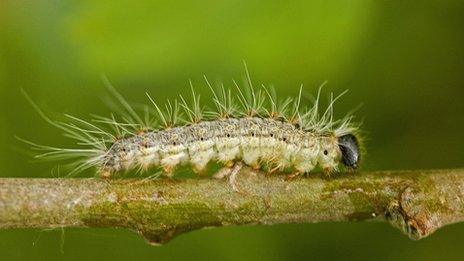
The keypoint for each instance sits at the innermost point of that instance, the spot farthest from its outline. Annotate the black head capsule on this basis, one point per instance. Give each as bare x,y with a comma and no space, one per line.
349,147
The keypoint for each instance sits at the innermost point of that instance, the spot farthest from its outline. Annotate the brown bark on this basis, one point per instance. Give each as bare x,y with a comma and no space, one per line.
417,202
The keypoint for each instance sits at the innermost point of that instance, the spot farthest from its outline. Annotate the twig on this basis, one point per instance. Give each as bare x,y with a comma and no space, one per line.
417,202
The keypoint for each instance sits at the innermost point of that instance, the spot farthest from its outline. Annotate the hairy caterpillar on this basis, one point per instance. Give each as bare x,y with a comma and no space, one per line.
253,127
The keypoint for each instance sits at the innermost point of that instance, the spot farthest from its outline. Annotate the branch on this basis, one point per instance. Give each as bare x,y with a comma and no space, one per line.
417,202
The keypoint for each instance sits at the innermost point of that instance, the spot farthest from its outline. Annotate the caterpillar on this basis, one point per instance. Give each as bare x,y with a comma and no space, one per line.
252,127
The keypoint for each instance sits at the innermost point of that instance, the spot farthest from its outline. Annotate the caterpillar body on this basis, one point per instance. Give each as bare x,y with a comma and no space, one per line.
264,131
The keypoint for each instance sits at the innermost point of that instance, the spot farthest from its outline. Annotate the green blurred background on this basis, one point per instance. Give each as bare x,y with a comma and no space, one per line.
403,60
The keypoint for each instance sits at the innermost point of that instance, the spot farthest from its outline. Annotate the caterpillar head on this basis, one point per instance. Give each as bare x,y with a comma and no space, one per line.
349,146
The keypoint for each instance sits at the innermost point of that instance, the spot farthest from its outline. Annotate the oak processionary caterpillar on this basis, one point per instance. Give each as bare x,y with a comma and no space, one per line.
253,127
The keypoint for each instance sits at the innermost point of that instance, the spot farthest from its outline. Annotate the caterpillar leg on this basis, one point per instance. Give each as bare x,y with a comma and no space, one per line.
274,169
328,171
256,166
233,175
168,171
222,173
230,172
293,175
230,164
105,174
